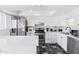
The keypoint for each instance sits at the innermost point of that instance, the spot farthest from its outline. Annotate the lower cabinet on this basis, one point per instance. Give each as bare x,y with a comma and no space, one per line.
51,37
73,45
62,40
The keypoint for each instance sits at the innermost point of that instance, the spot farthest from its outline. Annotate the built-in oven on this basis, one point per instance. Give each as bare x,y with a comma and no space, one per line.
41,35
39,30
30,30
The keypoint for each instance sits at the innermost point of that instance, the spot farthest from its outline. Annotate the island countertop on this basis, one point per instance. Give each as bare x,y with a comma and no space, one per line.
69,35
18,44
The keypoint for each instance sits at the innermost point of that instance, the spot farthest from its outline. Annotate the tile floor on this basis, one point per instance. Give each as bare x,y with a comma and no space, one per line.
50,49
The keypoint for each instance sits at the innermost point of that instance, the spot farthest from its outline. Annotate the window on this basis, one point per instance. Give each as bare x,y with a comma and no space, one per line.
2,21
68,22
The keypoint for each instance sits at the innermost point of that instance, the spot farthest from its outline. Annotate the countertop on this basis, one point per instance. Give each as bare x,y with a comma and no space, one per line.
18,44
75,37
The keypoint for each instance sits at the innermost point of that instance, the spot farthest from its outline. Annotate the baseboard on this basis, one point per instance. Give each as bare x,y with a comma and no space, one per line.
51,43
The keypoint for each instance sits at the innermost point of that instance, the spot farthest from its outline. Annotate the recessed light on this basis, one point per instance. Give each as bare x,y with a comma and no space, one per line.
52,12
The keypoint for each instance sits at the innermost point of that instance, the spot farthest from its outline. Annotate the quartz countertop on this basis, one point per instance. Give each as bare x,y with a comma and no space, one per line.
18,44
69,35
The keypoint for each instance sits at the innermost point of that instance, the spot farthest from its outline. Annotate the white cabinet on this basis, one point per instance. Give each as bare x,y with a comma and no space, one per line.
54,37
50,37
62,40
18,44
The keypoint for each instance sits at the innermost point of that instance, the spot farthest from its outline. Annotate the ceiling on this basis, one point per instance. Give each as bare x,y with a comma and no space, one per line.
44,10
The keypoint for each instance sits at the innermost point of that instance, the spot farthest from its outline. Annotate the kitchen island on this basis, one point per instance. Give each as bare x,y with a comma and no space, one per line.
68,42
18,44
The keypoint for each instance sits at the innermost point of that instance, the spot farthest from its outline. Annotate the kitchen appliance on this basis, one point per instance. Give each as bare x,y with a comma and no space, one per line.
47,29
30,30
60,30
51,30
39,30
41,35
75,32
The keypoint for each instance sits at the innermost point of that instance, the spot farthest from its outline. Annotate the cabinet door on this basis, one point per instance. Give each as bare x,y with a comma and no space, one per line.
73,46
48,37
59,39
70,45
76,46
54,37
62,41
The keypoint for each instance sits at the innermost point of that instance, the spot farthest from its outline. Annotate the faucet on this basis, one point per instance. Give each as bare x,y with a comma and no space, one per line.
69,29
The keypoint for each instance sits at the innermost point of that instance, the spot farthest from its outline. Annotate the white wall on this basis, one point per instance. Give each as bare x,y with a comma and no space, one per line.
48,20
71,15
55,20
